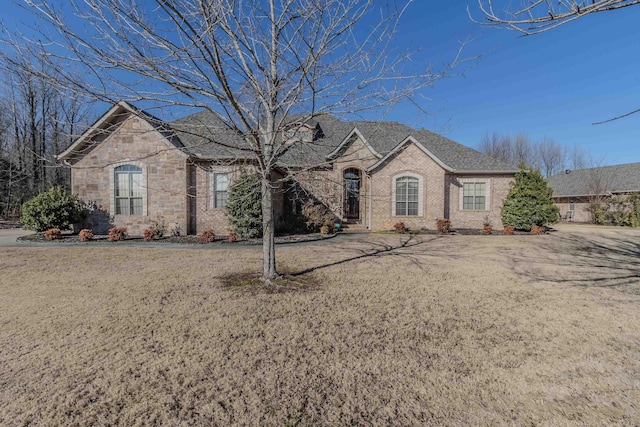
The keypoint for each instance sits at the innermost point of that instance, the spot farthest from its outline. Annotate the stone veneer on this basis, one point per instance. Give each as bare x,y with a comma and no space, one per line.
133,141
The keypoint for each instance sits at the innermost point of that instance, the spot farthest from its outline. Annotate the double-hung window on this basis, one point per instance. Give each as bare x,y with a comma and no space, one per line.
220,186
129,190
474,196
407,192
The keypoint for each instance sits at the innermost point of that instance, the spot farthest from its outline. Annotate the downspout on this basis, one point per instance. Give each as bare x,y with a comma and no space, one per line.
370,197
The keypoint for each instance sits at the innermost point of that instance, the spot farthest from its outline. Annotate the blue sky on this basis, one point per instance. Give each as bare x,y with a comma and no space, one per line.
554,84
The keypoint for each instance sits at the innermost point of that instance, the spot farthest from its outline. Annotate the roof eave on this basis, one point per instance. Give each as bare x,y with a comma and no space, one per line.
486,172
332,155
121,105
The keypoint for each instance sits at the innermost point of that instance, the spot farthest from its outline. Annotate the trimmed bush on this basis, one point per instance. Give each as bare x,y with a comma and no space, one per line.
53,234
529,202
538,230
317,215
400,228
508,230
233,237
117,234
244,205
148,234
85,235
207,236
52,209
444,226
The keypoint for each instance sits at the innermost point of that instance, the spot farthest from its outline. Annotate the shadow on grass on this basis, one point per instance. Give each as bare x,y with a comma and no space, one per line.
304,280
376,249
584,260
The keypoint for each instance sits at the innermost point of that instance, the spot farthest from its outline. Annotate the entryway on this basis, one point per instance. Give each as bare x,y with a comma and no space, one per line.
351,207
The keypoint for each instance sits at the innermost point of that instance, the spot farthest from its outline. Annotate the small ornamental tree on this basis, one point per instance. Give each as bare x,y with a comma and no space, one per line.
52,209
244,206
529,202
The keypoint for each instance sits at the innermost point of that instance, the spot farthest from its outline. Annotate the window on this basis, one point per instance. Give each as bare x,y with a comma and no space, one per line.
220,185
128,190
407,200
474,196
572,206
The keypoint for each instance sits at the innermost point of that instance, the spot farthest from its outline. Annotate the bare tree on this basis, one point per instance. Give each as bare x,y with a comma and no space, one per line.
577,157
552,156
516,150
538,16
547,155
37,121
598,187
252,63
497,146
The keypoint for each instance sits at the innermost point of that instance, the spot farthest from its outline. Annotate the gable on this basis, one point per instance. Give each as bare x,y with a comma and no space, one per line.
122,116
355,136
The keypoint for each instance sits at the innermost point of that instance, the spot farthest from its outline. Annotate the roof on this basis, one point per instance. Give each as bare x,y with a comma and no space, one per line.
603,180
204,135
383,138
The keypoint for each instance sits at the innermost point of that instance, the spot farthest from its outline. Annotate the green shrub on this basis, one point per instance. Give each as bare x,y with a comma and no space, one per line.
529,202
244,206
52,209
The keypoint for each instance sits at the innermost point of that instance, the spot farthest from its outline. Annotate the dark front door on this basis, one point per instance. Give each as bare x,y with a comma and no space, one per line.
352,194
193,204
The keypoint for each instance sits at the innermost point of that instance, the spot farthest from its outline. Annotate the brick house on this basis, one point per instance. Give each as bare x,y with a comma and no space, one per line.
575,190
137,169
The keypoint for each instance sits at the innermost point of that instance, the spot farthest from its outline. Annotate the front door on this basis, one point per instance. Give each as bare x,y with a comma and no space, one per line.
352,194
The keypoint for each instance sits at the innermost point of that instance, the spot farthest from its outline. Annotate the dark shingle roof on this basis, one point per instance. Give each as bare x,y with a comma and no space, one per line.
608,179
383,137
206,136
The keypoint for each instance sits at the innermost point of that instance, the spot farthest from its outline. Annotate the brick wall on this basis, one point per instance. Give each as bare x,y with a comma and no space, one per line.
413,162
580,204
498,188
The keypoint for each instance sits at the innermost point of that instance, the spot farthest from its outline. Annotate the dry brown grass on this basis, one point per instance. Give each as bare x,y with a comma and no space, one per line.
386,330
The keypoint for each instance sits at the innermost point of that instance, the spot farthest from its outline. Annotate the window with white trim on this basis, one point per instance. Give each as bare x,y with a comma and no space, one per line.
220,187
407,196
474,196
128,190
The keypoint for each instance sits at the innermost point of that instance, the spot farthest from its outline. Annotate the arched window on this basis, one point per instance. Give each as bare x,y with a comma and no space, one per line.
128,190
407,196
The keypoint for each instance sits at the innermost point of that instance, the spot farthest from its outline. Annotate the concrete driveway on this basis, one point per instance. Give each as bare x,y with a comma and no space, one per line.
8,236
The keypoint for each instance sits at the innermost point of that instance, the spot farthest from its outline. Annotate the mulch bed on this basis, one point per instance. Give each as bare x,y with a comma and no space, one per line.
185,240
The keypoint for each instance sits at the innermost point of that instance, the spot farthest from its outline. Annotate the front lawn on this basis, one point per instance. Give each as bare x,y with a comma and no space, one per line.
367,330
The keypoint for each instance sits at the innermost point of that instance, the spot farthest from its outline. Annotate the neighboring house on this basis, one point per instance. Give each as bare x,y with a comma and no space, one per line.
138,169
575,190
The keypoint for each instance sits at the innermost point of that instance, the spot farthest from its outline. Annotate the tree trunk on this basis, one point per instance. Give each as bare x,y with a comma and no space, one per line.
268,228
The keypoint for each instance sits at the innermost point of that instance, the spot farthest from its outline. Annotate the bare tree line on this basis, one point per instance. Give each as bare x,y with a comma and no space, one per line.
547,155
37,122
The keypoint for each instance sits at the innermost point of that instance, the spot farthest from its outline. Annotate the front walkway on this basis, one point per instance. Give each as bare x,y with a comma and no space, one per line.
8,236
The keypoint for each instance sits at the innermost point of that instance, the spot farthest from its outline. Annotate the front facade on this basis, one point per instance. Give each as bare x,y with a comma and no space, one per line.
136,170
